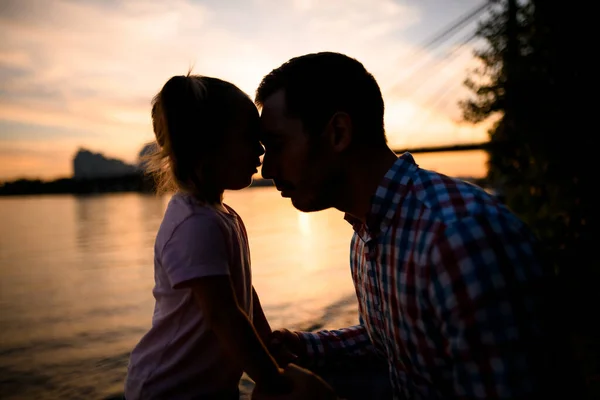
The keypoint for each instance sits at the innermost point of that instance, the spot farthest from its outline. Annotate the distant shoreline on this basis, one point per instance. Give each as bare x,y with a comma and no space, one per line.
132,183
137,183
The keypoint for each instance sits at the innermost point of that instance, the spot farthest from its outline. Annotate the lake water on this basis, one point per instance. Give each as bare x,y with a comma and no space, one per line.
77,274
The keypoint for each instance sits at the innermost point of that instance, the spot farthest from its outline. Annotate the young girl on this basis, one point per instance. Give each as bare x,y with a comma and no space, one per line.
202,336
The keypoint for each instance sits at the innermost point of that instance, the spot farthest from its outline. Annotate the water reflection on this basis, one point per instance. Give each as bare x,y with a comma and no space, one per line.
304,223
457,163
111,229
77,278
90,212
300,259
152,209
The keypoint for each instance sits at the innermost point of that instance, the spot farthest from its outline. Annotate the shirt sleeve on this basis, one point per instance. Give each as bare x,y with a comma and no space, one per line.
486,289
197,248
329,345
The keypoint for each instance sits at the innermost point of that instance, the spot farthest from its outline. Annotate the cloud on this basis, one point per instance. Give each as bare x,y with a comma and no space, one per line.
35,158
93,66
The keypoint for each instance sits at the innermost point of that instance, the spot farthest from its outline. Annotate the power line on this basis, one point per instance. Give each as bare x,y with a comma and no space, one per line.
428,107
437,97
438,39
437,61
456,25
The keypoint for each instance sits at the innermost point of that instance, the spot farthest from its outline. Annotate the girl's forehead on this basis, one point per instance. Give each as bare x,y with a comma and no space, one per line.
247,104
245,108
245,115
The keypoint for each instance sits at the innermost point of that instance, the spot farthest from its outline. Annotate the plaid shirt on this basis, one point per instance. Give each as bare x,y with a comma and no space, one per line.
447,281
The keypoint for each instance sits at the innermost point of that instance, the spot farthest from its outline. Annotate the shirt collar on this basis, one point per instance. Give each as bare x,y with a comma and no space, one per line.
387,197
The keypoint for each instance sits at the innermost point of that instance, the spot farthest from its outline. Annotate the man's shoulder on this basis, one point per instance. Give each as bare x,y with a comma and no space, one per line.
450,199
462,211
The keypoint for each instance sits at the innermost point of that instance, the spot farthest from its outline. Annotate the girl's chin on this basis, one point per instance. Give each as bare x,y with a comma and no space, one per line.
243,183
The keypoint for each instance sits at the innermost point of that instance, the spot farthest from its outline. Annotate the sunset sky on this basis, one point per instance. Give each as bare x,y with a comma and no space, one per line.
81,73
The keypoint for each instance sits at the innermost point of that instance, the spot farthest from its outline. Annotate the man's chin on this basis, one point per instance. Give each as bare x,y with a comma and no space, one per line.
307,206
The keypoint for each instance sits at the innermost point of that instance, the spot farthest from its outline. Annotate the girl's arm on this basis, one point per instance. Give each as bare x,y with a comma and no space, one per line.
196,257
216,298
259,320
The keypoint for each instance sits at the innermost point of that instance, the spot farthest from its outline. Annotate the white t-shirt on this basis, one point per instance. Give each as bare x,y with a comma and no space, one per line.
180,358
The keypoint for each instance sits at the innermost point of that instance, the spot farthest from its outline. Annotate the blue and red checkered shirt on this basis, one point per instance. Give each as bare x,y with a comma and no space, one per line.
448,285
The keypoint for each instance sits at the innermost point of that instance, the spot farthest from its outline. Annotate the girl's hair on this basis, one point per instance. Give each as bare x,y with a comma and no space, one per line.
189,116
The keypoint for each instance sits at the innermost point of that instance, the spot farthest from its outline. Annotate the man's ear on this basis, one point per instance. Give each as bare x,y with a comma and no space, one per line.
339,131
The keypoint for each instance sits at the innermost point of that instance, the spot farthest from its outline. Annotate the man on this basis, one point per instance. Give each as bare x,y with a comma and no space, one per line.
451,289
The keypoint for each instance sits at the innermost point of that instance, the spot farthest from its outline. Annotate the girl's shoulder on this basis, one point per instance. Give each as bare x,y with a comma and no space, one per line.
182,208
237,220
183,212
182,204
231,211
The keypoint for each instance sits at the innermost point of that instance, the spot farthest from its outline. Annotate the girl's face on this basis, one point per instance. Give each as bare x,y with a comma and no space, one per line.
239,157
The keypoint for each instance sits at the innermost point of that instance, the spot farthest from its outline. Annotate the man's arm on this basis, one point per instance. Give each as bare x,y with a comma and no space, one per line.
259,320
487,288
322,347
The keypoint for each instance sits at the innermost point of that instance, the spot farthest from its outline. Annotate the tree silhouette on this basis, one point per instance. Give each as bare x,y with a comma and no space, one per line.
541,153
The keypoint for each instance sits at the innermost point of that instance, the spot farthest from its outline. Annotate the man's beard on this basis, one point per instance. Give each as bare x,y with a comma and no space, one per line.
322,196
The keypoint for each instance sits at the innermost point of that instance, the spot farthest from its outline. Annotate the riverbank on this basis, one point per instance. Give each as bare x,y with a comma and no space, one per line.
138,183
134,183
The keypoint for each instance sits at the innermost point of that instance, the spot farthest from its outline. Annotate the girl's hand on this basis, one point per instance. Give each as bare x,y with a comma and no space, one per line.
286,347
304,385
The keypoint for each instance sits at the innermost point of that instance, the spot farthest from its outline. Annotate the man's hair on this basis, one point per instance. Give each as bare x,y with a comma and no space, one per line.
318,85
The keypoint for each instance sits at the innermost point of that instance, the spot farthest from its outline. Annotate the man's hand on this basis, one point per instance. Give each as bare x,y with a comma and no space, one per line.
278,384
286,347
305,386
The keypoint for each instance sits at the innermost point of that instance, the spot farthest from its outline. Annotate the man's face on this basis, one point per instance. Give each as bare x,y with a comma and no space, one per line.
301,167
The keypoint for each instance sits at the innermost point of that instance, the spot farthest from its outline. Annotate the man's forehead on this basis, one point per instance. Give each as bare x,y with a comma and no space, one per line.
273,119
268,125
275,104
268,132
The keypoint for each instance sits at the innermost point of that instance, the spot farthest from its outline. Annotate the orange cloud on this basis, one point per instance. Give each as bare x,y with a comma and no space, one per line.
94,66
